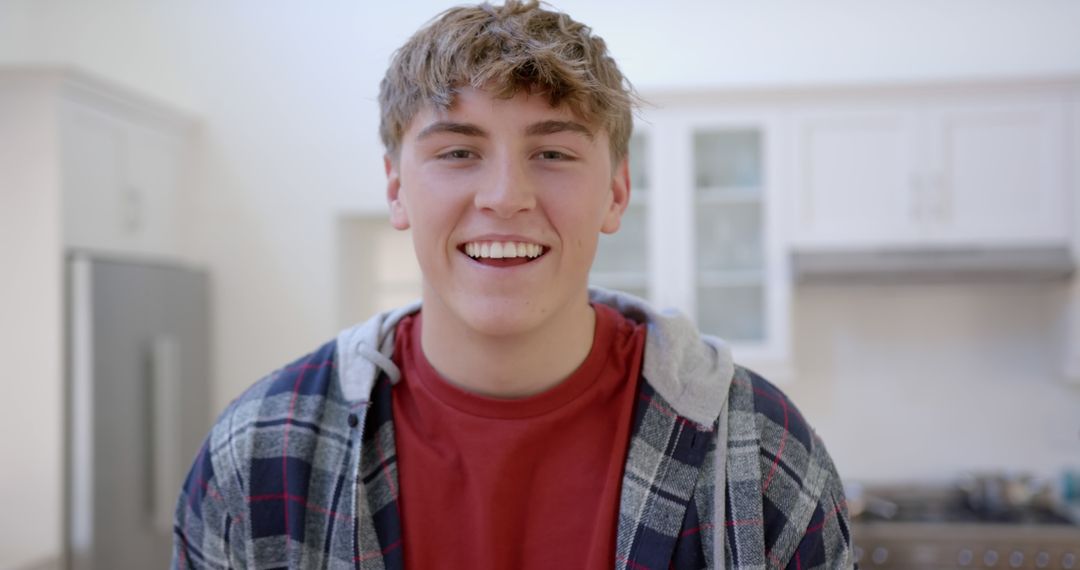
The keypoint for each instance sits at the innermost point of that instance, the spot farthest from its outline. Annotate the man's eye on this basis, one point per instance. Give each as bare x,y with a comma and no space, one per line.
458,154
553,155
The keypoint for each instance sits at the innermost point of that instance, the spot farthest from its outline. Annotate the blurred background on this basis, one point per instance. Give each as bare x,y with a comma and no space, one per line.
875,203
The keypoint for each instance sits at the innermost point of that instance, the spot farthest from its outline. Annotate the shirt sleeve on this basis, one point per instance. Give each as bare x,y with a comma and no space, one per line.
206,531
826,542
803,511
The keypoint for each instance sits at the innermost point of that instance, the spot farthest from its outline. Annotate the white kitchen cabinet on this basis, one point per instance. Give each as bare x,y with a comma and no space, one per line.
949,169
996,172
120,163
853,177
703,233
122,170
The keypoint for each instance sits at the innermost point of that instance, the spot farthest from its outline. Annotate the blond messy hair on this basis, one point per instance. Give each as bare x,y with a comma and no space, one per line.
504,50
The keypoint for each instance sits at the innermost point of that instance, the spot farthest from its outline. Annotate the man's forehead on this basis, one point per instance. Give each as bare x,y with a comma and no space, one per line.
535,129
533,110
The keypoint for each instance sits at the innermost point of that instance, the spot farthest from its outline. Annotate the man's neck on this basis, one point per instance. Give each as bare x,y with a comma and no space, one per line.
507,366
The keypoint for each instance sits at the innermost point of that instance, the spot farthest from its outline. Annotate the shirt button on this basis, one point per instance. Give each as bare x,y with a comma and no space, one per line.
353,420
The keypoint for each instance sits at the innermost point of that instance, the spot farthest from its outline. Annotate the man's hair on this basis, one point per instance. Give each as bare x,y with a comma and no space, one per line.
504,50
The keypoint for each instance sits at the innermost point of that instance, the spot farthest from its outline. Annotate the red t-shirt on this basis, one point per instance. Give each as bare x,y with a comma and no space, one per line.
515,483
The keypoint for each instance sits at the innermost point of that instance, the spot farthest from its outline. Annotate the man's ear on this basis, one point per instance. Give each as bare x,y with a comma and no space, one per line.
399,216
620,197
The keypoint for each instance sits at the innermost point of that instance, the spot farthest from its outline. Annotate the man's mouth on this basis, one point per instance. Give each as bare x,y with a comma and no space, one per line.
502,253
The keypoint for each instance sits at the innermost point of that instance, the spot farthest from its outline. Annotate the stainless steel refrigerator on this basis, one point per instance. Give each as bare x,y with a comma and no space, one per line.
137,405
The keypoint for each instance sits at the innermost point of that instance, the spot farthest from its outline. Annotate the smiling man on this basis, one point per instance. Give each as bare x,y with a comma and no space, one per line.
515,418
506,198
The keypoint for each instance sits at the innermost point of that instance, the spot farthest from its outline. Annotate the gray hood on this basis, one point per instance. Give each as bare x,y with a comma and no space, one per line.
690,370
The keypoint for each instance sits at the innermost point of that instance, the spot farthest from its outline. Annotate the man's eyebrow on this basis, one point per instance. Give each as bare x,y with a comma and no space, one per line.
552,127
466,129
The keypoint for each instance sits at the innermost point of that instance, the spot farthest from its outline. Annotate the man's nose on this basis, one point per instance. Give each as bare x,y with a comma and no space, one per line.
507,191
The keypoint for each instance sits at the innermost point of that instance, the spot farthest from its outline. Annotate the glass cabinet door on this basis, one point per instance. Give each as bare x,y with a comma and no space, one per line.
622,258
729,229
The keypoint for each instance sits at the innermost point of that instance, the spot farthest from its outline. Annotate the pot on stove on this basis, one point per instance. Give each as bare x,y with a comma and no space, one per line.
1003,495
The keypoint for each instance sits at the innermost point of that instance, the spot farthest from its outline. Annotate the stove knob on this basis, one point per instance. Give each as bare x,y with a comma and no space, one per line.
965,557
858,554
1016,559
990,558
880,555
1042,560
1068,561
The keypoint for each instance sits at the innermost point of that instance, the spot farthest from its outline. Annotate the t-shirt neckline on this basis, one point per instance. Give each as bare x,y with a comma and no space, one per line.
545,402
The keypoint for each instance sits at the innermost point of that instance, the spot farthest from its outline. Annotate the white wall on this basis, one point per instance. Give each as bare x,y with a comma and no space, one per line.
31,329
907,382
286,92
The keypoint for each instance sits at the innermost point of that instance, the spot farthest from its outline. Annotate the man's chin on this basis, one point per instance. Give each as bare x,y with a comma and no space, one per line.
500,314
502,319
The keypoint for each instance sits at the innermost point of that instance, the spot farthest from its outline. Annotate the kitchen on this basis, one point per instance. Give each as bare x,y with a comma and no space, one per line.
911,381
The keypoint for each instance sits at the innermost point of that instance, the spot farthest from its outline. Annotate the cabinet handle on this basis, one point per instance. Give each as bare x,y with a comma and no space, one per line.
915,205
942,196
132,209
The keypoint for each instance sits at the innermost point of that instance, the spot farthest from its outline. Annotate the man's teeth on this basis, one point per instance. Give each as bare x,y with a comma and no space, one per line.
502,249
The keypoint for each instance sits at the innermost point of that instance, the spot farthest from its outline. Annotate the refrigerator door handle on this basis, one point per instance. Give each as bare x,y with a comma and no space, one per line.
165,480
80,467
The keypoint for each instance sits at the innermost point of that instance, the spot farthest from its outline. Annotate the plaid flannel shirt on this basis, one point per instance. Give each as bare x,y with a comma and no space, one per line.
295,474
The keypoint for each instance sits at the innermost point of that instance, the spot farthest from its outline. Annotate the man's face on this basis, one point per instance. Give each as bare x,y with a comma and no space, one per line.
515,175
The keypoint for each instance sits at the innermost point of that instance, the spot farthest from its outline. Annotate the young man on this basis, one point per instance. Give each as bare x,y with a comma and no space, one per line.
515,419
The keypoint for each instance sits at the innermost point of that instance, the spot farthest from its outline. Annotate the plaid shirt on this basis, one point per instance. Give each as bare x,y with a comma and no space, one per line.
300,473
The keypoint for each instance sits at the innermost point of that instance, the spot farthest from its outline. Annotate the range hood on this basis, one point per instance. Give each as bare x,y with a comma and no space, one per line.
937,265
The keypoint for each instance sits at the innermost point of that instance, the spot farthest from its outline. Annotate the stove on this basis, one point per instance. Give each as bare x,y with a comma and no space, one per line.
915,528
